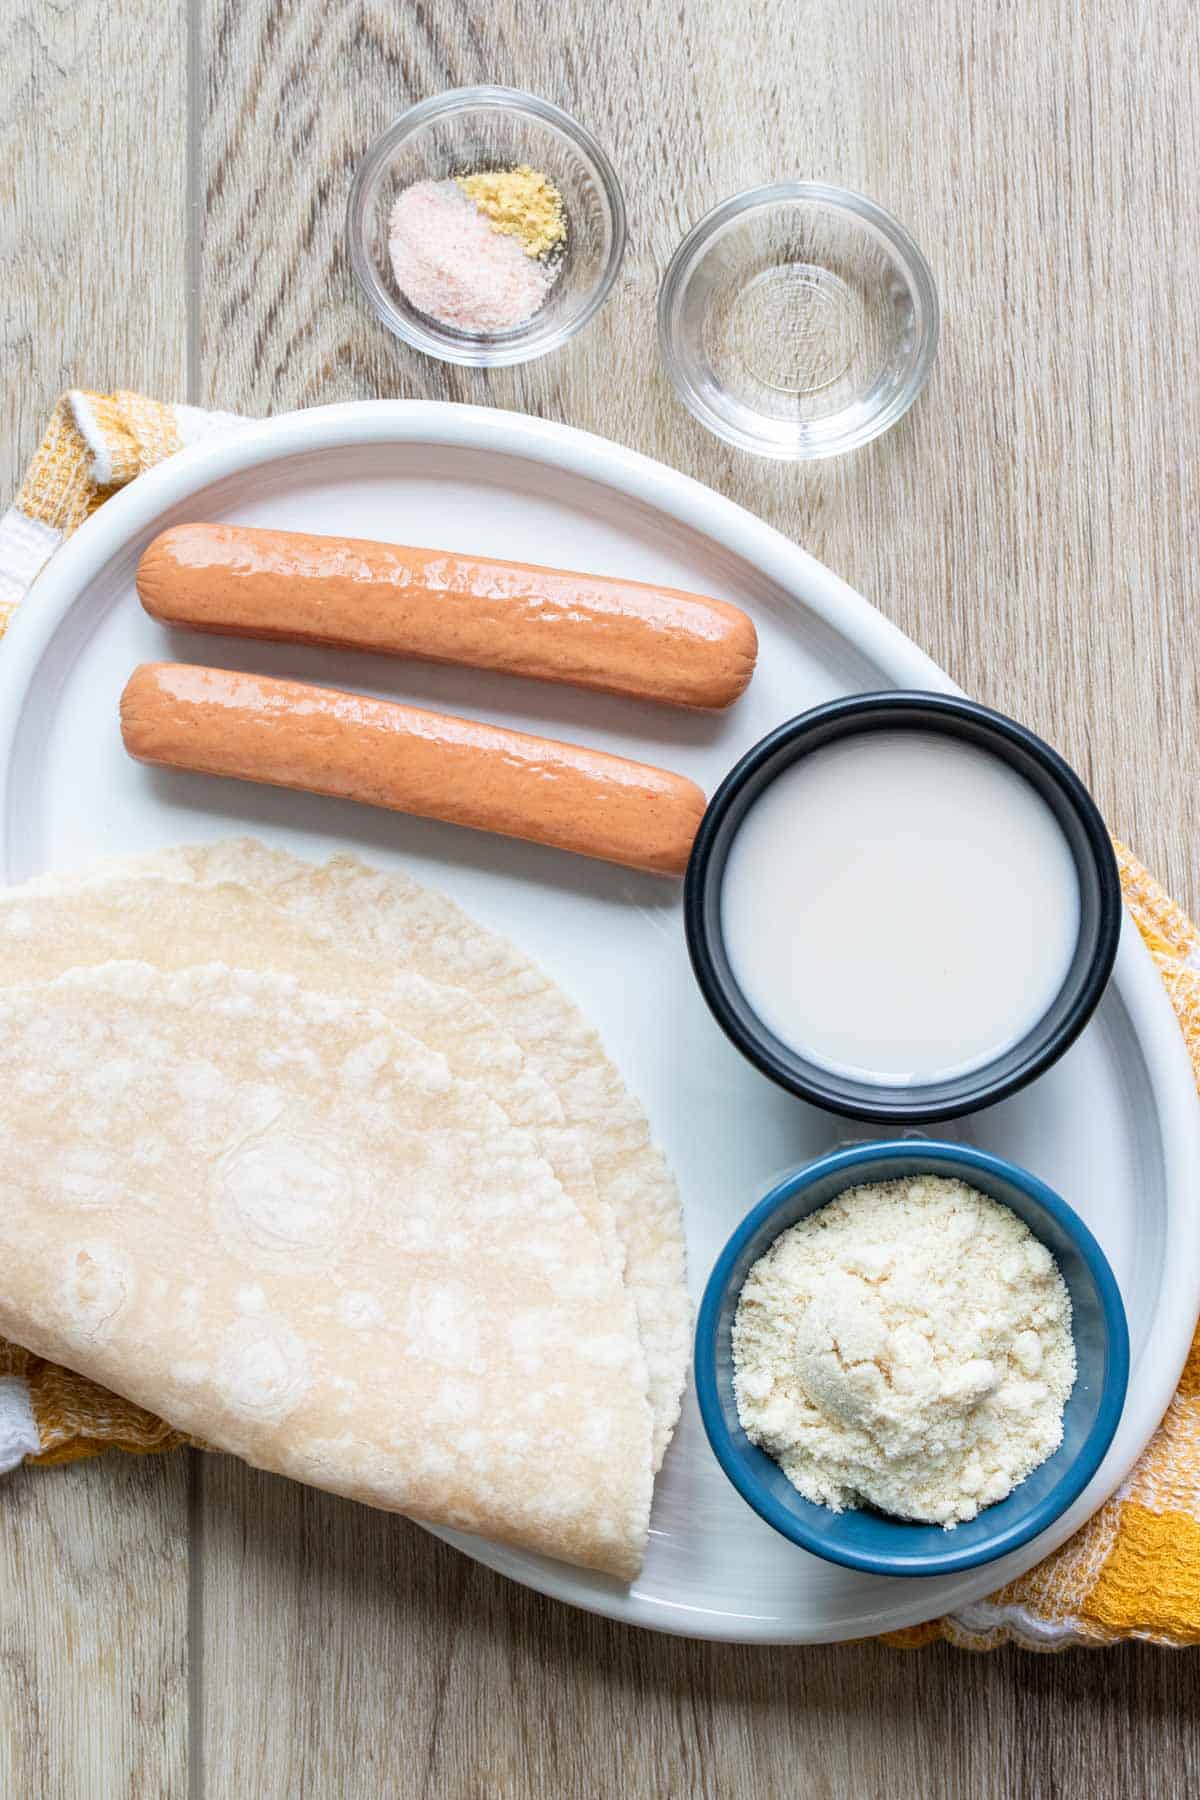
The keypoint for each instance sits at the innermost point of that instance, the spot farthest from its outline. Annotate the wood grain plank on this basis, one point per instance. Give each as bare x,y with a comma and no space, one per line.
351,1654
92,227
93,1558
1023,524
93,1630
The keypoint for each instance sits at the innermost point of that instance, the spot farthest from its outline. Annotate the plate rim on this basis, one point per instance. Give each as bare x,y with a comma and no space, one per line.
851,617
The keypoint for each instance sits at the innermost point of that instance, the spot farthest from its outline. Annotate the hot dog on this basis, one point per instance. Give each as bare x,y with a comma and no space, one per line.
623,637
288,734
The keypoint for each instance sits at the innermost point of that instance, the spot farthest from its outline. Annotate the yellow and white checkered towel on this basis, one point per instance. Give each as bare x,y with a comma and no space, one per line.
1134,1569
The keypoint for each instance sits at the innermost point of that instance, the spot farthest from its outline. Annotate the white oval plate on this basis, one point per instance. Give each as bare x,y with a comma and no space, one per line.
1113,1127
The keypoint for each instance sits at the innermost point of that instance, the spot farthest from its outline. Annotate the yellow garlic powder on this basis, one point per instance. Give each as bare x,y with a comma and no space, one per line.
520,203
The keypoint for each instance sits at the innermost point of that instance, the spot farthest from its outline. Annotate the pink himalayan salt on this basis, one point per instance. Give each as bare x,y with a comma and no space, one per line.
454,267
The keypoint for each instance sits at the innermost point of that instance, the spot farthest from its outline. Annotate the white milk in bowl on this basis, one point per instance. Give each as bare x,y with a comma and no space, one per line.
900,907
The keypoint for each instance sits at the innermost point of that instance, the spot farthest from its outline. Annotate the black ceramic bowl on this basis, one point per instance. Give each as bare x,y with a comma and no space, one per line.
1099,905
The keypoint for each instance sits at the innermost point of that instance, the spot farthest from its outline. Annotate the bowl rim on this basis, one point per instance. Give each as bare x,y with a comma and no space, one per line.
944,1157
500,351
825,1088
917,273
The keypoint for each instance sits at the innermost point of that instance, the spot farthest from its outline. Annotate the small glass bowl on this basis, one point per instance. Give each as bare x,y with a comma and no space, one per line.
476,128
798,320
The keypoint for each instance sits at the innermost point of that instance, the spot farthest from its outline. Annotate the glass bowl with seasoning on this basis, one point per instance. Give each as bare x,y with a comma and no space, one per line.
485,226
798,321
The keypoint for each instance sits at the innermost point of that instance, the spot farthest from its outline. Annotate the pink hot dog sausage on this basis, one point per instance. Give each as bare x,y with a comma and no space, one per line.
593,631
288,734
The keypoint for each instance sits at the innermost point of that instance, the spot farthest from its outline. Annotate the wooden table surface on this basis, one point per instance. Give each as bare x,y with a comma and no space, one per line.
173,176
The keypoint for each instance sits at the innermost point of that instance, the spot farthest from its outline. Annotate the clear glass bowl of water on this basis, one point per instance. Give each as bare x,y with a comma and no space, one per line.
798,320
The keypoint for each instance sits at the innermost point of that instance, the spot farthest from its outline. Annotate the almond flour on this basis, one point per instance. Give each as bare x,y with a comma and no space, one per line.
907,1347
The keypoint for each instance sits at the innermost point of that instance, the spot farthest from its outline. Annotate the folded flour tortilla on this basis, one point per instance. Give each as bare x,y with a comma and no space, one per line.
121,912
274,1217
396,928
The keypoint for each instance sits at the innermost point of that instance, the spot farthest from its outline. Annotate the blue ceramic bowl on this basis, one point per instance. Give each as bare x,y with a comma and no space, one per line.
871,1540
